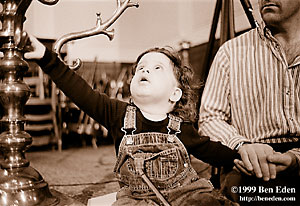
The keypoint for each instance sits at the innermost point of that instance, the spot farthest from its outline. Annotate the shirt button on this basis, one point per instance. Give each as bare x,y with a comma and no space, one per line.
287,92
291,119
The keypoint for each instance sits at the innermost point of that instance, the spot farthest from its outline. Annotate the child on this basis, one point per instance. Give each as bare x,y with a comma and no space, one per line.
153,134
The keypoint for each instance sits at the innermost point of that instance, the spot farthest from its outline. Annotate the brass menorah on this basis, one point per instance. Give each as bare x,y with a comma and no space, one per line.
20,184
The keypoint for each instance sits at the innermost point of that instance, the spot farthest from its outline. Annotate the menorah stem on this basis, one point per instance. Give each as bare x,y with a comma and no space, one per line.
20,184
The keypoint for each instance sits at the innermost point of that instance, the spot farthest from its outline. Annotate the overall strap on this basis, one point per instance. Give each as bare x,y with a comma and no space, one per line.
174,124
129,123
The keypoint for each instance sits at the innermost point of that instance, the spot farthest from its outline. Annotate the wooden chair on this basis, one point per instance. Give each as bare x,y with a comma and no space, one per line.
41,110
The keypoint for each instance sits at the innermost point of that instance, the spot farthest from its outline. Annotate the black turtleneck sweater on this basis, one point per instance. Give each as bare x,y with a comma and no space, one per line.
110,113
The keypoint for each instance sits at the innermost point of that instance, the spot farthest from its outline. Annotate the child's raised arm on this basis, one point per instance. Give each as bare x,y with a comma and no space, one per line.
97,105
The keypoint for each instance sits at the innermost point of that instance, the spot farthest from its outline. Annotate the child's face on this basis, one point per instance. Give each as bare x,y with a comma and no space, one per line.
154,79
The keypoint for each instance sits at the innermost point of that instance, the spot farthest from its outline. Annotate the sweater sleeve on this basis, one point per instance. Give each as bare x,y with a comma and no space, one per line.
201,147
97,105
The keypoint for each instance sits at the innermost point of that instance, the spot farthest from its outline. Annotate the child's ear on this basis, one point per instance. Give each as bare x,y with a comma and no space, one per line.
175,97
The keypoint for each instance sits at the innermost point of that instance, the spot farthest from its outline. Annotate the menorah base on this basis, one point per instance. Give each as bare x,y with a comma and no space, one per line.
25,187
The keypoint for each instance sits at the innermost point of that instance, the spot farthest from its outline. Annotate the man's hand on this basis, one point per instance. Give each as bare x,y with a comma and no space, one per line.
38,49
254,157
282,160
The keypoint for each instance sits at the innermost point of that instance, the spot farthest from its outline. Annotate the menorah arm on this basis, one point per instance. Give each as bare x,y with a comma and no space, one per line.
100,28
48,2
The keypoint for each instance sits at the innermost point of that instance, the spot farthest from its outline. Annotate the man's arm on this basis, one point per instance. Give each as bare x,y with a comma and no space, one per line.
215,111
215,118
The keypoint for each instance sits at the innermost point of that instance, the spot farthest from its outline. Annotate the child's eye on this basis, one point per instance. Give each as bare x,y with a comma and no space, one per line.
157,67
140,68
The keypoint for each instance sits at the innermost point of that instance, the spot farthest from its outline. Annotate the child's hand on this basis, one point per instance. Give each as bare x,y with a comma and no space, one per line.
242,168
38,49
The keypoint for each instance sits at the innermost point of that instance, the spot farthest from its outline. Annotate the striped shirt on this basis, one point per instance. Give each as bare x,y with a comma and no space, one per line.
251,93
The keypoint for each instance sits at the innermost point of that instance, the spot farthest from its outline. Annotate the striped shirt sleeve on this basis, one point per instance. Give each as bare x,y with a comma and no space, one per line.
215,112
252,93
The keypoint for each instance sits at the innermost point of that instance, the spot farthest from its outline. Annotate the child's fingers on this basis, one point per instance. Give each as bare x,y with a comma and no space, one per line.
241,167
38,49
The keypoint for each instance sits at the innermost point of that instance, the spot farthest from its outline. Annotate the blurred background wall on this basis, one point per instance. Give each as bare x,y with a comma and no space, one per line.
107,64
154,23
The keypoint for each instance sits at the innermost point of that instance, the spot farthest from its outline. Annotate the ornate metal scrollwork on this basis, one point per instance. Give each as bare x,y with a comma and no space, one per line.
48,2
100,28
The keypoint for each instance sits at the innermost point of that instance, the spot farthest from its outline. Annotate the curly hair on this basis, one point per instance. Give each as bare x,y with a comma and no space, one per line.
186,107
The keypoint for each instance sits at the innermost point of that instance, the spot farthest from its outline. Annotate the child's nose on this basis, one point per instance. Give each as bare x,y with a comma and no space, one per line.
146,70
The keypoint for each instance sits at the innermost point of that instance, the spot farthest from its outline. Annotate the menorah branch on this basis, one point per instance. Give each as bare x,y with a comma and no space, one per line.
100,28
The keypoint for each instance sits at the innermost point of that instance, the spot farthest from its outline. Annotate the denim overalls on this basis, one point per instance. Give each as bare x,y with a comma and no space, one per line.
154,168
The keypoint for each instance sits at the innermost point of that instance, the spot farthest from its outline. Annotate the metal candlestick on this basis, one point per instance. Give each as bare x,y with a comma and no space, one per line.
21,184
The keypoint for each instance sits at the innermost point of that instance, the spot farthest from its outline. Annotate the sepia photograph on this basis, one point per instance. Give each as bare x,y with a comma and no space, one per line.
149,102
